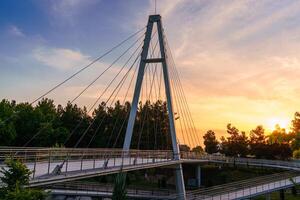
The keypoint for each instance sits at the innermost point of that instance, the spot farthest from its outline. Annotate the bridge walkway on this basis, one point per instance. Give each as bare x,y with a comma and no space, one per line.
247,188
53,165
232,191
78,188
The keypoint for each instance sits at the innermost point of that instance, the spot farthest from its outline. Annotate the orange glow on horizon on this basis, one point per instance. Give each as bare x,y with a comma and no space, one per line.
282,122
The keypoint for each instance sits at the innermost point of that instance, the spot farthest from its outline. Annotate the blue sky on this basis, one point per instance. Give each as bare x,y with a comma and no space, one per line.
72,30
229,52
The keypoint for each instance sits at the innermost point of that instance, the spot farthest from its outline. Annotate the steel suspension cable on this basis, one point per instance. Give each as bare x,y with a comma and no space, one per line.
87,66
111,104
61,165
108,87
123,123
124,98
183,97
151,86
78,72
161,102
125,117
155,104
179,107
118,90
90,84
187,114
146,111
103,92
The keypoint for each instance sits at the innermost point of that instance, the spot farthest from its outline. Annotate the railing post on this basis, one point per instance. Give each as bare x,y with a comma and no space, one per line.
49,160
122,163
34,167
94,161
81,161
67,161
25,159
114,159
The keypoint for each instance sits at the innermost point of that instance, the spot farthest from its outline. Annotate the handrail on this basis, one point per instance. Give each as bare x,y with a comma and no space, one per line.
246,183
74,159
92,186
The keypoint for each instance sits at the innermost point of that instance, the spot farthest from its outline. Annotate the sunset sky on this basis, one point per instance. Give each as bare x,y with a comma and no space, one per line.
239,60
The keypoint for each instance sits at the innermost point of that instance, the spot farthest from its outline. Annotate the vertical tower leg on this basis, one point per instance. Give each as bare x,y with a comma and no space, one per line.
179,173
126,146
138,85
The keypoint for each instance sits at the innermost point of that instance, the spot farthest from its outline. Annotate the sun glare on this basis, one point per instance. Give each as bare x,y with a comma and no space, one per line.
283,123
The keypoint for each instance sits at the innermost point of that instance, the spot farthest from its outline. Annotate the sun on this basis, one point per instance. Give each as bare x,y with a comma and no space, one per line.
282,122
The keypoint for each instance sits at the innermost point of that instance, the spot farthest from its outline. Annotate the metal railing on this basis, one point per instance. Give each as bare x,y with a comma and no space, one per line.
243,161
108,188
235,190
247,188
45,162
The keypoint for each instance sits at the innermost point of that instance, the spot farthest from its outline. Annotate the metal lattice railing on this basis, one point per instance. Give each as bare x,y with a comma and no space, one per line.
45,162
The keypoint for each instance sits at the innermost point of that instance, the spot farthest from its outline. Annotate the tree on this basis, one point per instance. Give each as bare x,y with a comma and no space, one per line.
296,154
47,125
76,121
15,177
257,135
279,136
7,128
210,142
16,174
119,191
184,147
296,123
27,123
258,142
236,144
280,151
198,149
295,145
296,132
7,133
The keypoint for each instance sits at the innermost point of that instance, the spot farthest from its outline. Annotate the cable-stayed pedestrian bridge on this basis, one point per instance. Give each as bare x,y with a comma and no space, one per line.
156,117
53,165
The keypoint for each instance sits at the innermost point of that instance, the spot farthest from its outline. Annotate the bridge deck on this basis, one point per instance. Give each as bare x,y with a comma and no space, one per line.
83,163
91,189
235,190
247,188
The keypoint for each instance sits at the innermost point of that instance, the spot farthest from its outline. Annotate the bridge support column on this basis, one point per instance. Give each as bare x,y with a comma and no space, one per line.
179,182
281,194
198,175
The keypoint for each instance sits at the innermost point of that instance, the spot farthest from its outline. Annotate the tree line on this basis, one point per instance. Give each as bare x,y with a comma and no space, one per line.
280,144
48,125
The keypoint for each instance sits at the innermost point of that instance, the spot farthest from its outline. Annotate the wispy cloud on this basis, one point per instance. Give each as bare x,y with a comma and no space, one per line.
60,58
16,31
66,10
234,53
